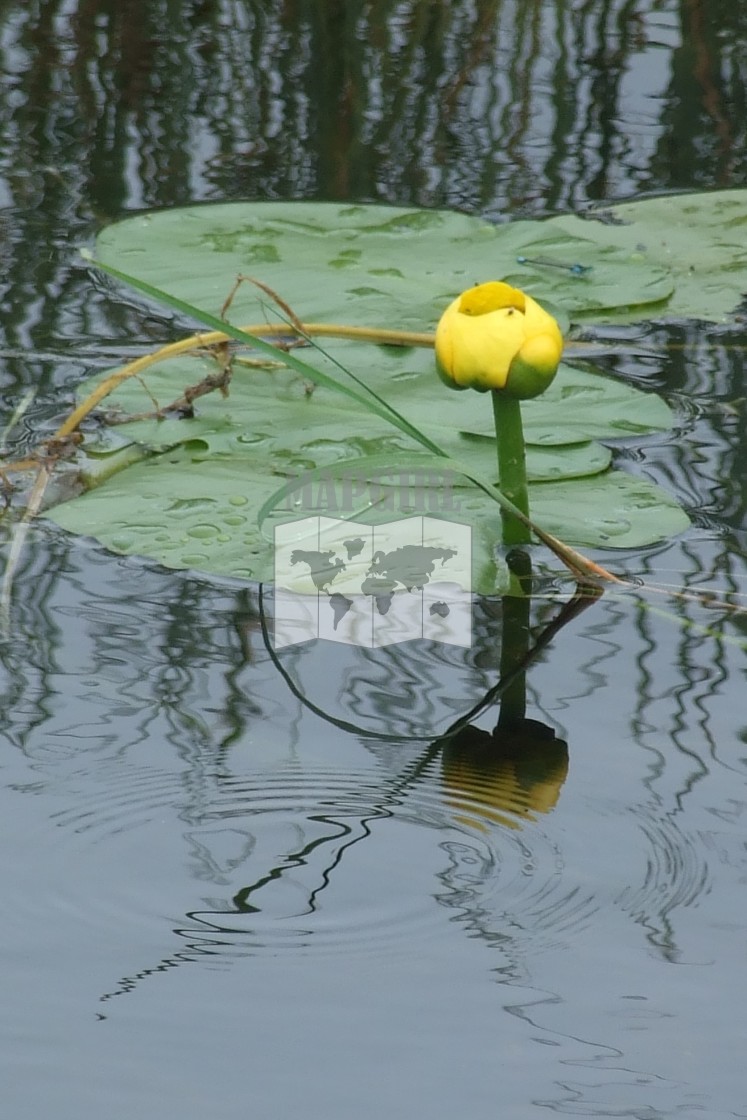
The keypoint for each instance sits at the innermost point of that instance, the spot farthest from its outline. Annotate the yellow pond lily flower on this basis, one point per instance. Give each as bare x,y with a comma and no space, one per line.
494,336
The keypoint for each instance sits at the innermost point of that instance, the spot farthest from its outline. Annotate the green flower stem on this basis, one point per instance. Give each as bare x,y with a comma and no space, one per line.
512,467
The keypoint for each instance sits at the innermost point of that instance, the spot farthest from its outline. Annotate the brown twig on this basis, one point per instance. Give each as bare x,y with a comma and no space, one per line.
284,307
182,405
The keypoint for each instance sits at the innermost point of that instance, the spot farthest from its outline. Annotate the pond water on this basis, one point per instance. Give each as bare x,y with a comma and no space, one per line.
221,899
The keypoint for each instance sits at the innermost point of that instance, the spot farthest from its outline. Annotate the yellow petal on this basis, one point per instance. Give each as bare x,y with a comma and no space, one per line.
476,350
491,297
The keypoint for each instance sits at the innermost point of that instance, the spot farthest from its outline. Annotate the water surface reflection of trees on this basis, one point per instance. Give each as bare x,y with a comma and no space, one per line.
493,107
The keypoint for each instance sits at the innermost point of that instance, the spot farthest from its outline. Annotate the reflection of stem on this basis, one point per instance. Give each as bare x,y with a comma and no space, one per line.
512,466
301,858
515,643
583,598
214,932
309,704
20,533
18,414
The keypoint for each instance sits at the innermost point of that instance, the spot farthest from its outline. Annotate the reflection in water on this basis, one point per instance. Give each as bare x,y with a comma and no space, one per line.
505,108
321,820
198,679
299,838
304,841
216,836
504,778
684,679
676,876
515,103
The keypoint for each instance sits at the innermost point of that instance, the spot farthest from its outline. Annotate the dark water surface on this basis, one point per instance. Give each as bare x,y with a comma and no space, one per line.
218,901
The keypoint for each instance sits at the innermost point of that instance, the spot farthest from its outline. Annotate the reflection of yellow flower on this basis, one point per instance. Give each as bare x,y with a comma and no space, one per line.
504,778
495,337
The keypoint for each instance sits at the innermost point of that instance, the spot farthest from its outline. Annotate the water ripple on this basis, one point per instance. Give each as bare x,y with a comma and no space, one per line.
676,875
353,861
315,858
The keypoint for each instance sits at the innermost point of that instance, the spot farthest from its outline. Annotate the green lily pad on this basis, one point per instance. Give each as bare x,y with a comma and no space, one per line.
701,239
272,412
371,265
203,514
196,502
679,255
201,500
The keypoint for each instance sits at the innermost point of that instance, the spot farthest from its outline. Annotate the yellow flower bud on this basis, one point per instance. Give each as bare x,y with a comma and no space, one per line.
495,337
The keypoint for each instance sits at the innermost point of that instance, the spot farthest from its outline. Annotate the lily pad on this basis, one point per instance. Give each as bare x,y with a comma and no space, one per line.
679,255
274,413
372,265
701,239
203,514
196,502
201,499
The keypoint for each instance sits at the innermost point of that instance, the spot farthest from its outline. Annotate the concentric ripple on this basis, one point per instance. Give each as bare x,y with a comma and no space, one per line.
322,861
311,858
314,860
308,858
676,875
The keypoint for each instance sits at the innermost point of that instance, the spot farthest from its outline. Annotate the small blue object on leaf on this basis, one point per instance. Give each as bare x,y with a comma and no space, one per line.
574,269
